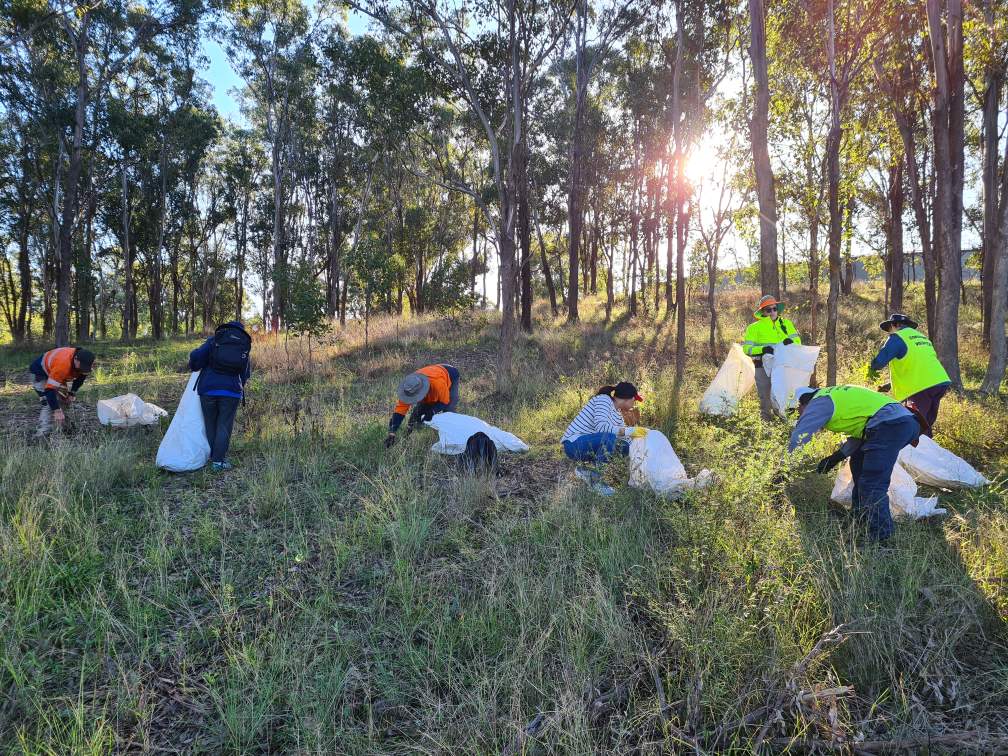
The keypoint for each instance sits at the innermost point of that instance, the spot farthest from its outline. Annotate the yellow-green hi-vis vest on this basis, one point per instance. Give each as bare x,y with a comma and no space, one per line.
919,369
852,408
767,331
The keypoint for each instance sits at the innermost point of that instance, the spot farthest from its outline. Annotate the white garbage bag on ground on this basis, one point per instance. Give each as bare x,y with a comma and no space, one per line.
184,446
734,379
933,465
455,429
128,410
655,465
791,368
903,498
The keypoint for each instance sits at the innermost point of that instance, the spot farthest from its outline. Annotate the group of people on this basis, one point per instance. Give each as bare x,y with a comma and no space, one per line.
224,362
877,426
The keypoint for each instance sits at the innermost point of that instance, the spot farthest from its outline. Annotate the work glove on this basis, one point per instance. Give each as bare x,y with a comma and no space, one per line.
636,432
390,440
58,416
787,341
828,463
768,350
873,374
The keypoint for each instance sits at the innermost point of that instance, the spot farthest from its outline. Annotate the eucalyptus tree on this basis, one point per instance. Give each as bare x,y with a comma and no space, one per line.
945,33
485,60
271,43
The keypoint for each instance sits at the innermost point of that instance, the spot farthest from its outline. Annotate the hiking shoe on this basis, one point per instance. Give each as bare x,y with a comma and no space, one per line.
586,474
603,489
220,466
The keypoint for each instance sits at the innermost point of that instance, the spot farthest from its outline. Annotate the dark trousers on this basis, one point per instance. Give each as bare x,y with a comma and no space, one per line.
926,402
871,468
218,417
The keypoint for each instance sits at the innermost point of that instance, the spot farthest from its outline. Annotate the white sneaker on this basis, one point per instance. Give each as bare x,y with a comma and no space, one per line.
603,489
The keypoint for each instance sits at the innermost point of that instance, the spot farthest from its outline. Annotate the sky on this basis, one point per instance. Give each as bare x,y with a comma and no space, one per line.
226,83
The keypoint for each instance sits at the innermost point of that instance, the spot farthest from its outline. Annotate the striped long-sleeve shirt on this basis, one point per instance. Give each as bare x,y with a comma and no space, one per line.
598,416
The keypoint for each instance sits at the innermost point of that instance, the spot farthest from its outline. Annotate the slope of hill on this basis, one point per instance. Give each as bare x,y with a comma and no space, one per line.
329,595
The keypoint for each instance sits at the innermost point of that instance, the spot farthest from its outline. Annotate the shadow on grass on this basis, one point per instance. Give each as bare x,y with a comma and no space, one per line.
925,642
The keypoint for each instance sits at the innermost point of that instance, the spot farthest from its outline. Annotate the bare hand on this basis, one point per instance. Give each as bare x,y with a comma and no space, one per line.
58,416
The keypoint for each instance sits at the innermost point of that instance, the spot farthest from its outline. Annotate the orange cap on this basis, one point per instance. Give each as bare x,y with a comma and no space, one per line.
767,300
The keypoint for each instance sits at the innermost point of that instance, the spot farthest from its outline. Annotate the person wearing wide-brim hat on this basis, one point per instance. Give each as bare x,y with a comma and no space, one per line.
429,390
916,376
761,336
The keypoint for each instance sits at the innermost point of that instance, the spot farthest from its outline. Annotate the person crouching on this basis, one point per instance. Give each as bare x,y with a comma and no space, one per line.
56,377
599,431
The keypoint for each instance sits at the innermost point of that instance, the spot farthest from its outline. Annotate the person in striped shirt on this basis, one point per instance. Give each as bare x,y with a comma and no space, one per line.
599,431
56,377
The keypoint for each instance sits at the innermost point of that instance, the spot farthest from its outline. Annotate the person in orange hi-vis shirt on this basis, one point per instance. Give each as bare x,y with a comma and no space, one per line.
56,377
429,390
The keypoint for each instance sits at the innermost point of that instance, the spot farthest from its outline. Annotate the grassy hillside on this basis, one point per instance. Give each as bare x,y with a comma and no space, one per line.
329,596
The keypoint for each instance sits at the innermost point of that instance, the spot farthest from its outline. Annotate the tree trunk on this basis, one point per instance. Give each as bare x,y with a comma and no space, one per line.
279,277
524,230
765,192
948,125
895,262
999,293
69,214
993,83
833,191
575,210
129,292
682,229
547,273
27,210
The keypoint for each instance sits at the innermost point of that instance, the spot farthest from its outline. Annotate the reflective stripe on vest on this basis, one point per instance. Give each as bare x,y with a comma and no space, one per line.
767,331
919,369
852,408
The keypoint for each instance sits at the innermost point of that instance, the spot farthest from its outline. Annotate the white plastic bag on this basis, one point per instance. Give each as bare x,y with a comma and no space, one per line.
184,446
903,498
791,368
128,410
734,379
455,429
655,465
933,465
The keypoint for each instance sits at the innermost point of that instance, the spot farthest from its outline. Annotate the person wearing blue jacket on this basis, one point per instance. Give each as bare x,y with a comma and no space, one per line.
219,394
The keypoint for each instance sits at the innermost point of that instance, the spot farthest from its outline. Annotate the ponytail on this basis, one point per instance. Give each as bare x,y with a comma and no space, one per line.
606,391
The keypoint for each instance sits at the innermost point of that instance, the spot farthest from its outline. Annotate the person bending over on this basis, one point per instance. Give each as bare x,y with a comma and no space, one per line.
877,429
429,390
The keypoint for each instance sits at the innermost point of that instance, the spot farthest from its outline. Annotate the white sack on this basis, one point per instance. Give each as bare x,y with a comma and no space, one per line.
734,379
790,368
655,465
933,465
128,410
454,430
903,499
184,446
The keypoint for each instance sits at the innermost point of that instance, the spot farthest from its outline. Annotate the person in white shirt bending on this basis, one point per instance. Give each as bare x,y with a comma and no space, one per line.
599,431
